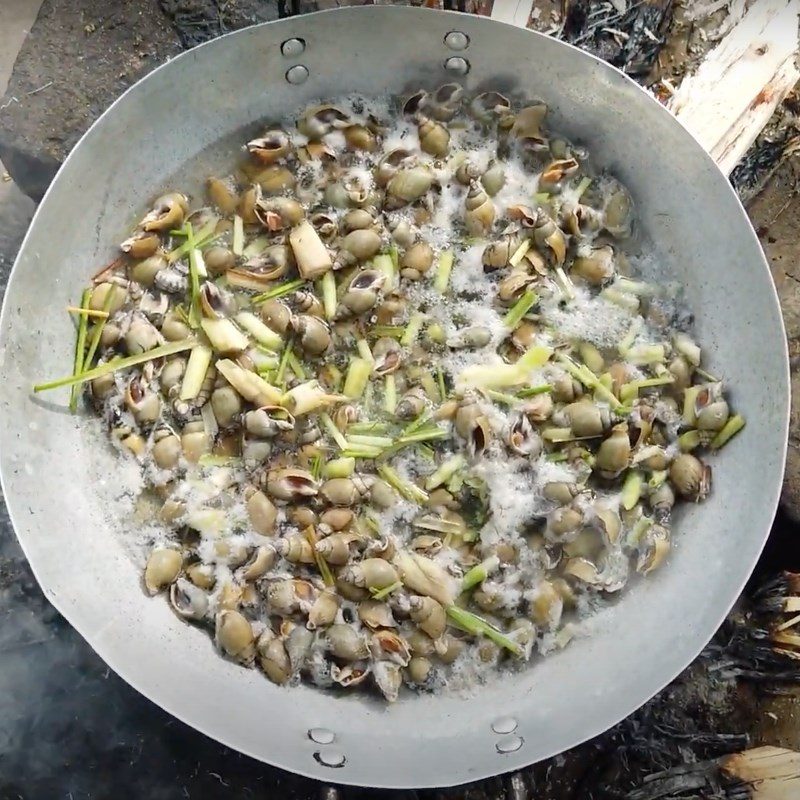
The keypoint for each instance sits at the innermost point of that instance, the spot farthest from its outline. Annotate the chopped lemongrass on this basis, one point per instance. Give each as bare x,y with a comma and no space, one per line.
80,346
385,265
443,270
364,351
479,573
441,384
519,253
690,395
362,452
280,375
412,329
477,626
360,440
205,236
224,336
259,331
558,435
307,397
88,312
643,354
630,390
423,419
426,452
339,468
373,427
639,288
555,458
279,291
195,373
729,430
541,197
689,440
688,348
395,256
423,435
322,564
435,333
379,594
200,263
333,431
97,332
631,489
357,378
405,488
585,183
642,525
532,391
520,309
584,375
316,466
209,460
630,302
502,397
296,367
564,283
256,247
251,387
657,478
500,376
326,288
707,376
445,471
630,336
390,331
237,240
389,394
117,364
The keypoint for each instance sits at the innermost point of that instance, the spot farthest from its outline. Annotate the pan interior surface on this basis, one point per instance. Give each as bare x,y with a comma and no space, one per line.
50,465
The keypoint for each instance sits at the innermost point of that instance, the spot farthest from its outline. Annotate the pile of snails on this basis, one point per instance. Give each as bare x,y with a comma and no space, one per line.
333,414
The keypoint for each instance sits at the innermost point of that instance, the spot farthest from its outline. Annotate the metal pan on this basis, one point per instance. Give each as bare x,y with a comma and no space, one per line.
57,480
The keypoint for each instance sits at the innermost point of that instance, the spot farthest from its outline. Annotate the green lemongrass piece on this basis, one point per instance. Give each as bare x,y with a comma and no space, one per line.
541,197
237,240
339,468
424,435
477,626
429,385
333,431
532,391
412,329
689,440
364,351
426,452
435,333
256,247
644,354
657,478
729,430
630,336
307,397
322,564
280,375
534,357
97,332
405,488
707,376
180,310
500,376
379,594
639,288
423,419
326,288
441,385
564,283
210,460
295,366
479,573
519,253
555,458
520,309
360,439
316,466
585,183
362,452
117,364
643,524
259,331
630,390
631,489
690,395
502,397
445,471
279,291
80,346
195,313
373,427
391,331
87,312
443,270
224,336
630,302
195,373
196,255
395,256
204,237
557,435
627,392
583,374
389,394
357,378
386,265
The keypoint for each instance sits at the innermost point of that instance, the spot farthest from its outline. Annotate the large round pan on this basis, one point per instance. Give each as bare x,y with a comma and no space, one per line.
54,475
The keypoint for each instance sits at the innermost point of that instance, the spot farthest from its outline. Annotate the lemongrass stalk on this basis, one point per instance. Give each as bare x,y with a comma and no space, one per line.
435,333
386,265
88,312
425,435
339,468
326,287
631,489
534,357
426,452
657,478
479,573
279,291
362,452
541,197
642,525
195,313
196,255
429,385
307,397
117,364
295,366
357,378
360,439
389,394
520,309
204,237
251,387
639,288
500,376
405,488
209,460
259,331
585,183
412,329
195,373
564,283
80,346
333,431
441,385
312,257
224,336
519,253
558,435
322,564
371,427
237,240
380,594
685,346
280,375
97,332
706,376
690,395
644,354
729,430
555,458
630,302
390,331
585,376
532,391
445,472
502,397
689,440
477,626
256,247
423,419
443,270
630,336
364,351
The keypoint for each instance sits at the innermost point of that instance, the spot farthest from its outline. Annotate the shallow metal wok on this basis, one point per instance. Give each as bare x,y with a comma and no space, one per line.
50,468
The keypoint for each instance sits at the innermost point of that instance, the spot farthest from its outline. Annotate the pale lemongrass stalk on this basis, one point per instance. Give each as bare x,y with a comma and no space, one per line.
259,331
224,336
195,373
